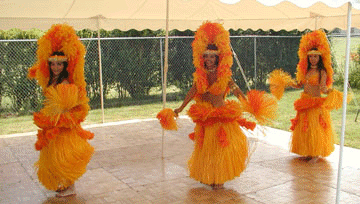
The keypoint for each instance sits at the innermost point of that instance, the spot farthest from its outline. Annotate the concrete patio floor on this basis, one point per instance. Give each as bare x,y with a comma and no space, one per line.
127,167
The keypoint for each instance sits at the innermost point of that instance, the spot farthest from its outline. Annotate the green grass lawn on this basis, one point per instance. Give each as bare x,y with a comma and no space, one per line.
21,124
285,113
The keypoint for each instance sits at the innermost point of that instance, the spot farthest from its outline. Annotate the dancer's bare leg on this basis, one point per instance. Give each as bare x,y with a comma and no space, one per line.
305,158
313,160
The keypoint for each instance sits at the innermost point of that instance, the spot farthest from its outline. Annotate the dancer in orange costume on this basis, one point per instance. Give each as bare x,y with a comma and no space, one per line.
221,147
63,146
312,132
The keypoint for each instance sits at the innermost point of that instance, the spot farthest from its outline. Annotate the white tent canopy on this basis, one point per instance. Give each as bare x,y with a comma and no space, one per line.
184,14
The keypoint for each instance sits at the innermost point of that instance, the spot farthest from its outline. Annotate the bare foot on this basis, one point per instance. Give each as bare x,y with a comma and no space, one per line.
313,160
217,186
67,191
305,158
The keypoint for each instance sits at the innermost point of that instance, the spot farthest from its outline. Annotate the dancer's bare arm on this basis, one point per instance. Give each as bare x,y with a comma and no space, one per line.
236,90
189,96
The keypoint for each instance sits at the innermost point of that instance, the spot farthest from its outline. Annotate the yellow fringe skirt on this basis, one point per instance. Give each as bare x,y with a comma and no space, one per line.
221,148
312,132
63,160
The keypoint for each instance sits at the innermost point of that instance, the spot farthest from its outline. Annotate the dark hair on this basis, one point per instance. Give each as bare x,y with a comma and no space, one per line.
320,65
63,75
213,47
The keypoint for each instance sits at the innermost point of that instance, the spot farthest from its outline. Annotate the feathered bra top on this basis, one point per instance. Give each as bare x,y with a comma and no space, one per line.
316,39
212,33
61,38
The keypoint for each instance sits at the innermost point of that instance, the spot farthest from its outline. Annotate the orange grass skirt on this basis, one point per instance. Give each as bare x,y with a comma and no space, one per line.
63,160
312,132
221,149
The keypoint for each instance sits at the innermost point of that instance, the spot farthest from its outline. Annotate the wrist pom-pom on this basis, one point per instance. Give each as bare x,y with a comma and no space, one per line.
279,80
261,105
167,119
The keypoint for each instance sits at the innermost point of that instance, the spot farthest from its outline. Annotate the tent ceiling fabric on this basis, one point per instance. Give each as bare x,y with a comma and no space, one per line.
183,14
307,3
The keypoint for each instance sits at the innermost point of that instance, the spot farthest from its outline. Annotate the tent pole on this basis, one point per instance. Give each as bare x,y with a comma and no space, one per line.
162,64
100,72
162,83
166,65
346,79
241,69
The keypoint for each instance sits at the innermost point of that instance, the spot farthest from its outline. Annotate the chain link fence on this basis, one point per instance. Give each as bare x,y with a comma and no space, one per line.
132,68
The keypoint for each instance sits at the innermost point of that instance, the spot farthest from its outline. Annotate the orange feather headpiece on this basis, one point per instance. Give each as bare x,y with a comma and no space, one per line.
61,38
316,39
212,33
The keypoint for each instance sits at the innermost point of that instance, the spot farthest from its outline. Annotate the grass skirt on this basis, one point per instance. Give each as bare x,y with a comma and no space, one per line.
64,149
63,160
312,132
221,148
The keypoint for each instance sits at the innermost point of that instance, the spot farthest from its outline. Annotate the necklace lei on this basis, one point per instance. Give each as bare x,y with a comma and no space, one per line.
211,70
223,77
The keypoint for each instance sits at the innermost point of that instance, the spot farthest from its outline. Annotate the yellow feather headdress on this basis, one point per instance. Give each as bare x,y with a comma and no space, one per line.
212,33
62,38
316,39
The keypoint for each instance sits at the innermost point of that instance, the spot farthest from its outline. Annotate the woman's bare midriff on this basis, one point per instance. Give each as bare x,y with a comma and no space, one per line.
215,100
312,90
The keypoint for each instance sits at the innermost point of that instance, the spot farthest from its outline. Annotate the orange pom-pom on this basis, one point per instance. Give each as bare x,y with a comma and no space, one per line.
279,80
334,99
261,105
167,119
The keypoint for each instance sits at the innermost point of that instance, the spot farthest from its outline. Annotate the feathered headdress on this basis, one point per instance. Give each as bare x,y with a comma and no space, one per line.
61,38
316,39
212,33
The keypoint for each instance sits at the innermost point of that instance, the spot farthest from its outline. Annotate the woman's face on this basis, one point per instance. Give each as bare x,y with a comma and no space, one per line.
209,60
314,59
56,67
